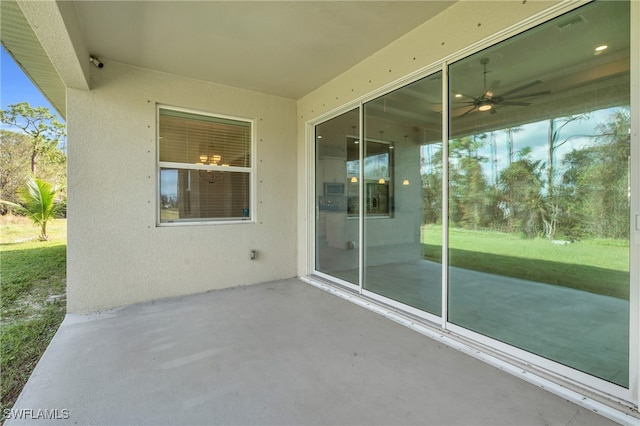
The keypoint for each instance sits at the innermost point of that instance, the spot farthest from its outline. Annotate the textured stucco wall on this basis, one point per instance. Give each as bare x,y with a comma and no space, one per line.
458,29
116,254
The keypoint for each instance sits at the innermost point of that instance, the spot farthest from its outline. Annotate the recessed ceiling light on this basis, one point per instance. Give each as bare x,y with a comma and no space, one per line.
458,95
601,48
319,136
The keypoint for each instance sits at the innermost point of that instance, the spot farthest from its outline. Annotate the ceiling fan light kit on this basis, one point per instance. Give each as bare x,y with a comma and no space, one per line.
488,100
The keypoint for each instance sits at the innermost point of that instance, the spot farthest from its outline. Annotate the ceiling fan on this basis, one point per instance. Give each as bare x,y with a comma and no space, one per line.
488,100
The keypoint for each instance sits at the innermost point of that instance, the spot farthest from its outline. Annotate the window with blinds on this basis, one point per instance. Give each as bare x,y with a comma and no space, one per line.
205,167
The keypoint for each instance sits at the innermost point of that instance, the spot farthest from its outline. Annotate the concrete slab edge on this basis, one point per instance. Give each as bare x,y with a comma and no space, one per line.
586,402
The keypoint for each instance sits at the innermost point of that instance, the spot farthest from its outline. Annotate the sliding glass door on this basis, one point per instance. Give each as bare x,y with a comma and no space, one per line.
336,197
532,190
403,195
539,191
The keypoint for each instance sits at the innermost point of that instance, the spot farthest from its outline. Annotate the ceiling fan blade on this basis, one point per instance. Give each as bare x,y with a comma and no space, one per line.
494,86
493,111
515,103
471,110
455,111
528,95
519,88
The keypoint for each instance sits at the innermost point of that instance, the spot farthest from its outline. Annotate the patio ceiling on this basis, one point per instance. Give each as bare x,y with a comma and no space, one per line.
572,78
283,48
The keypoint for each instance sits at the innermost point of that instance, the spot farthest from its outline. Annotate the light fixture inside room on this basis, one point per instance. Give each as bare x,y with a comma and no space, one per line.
354,179
489,99
381,181
210,176
405,182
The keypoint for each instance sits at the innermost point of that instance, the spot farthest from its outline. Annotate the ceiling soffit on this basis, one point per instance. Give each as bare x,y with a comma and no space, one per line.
284,48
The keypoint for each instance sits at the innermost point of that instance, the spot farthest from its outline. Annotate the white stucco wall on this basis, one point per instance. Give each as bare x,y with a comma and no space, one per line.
460,28
116,253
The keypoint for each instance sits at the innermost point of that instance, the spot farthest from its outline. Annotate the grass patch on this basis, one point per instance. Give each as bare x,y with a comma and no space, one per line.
169,214
596,266
18,229
32,273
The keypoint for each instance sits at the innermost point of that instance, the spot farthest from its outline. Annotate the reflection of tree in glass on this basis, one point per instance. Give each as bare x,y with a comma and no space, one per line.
597,182
468,195
520,188
583,194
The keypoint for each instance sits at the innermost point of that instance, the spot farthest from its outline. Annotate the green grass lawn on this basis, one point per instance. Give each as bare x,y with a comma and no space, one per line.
169,214
597,266
32,272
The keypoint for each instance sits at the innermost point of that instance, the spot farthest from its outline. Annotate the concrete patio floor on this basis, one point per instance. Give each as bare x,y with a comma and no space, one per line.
281,352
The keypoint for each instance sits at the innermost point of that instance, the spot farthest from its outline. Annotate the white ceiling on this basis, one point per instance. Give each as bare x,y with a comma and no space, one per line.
284,48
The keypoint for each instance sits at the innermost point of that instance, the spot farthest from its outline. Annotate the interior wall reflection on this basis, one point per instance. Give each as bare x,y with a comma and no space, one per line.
336,197
403,220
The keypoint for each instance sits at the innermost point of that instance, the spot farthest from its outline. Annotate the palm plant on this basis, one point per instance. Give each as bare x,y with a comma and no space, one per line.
38,204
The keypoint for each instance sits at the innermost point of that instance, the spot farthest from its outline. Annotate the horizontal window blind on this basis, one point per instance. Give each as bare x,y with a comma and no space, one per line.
196,139
204,189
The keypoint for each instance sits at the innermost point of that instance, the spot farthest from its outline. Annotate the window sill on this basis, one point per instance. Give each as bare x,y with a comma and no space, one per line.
234,221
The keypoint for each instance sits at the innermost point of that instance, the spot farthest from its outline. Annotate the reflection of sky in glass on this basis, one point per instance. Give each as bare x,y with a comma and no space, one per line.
534,136
169,183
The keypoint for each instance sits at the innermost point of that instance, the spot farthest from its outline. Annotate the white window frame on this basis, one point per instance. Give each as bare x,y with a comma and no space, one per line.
251,170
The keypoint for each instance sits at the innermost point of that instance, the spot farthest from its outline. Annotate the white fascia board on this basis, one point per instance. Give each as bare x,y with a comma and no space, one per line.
57,27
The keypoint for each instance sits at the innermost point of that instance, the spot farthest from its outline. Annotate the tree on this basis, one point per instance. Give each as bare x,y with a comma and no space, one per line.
598,180
510,142
521,184
15,166
38,204
555,127
432,184
467,183
44,129
432,197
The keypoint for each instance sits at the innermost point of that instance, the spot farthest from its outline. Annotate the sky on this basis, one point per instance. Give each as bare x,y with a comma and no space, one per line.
535,137
15,86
